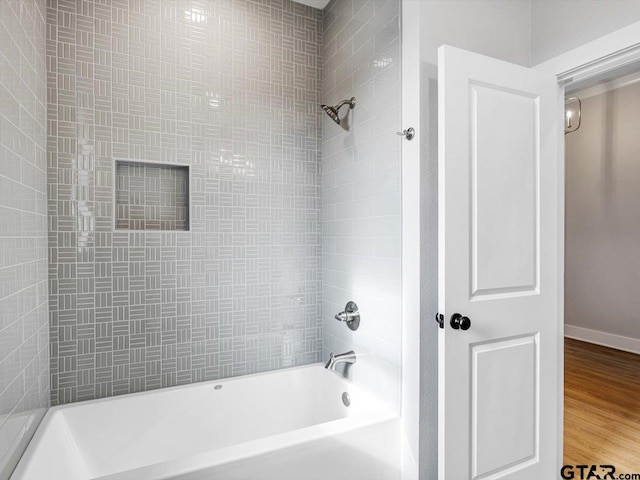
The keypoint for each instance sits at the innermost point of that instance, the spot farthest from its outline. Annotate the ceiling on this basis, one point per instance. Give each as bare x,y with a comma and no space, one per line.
314,3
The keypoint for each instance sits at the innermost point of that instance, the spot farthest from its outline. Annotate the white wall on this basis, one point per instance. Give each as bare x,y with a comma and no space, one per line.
602,265
497,28
526,32
560,25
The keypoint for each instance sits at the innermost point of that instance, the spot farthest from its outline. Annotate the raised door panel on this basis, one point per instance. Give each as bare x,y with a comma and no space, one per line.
504,191
504,405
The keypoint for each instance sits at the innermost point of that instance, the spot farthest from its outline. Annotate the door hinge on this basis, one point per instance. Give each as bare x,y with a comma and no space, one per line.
440,320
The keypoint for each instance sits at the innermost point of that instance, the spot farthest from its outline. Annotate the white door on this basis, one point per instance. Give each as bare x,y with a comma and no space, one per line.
499,246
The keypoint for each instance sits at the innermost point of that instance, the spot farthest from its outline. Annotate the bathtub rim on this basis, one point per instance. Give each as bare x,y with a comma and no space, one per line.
232,453
188,386
251,449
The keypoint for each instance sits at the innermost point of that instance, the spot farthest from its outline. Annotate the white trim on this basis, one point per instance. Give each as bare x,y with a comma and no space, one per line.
626,344
618,49
612,51
605,53
411,358
560,260
601,88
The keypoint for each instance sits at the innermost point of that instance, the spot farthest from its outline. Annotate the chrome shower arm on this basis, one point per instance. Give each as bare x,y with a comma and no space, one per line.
351,102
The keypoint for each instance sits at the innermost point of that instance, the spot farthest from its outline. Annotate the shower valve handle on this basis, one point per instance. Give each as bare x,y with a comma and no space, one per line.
351,316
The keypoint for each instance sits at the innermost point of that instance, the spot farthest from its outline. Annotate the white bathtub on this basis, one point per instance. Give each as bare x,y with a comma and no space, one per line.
289,424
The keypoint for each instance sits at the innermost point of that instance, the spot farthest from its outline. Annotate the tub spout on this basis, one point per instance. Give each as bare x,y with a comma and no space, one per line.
348,357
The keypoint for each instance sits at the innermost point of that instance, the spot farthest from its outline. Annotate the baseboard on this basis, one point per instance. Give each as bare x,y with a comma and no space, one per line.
603,338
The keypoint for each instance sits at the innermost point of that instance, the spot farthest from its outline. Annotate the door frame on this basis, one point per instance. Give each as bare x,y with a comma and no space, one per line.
413,428
617,49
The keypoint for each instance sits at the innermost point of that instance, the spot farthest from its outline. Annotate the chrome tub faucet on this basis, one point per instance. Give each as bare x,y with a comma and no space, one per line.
348,357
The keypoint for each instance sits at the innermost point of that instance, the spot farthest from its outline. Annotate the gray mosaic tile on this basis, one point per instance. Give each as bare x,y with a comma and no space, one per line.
231,90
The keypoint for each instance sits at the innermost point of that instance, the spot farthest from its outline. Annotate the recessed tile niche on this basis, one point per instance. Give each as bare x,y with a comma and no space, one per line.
151,196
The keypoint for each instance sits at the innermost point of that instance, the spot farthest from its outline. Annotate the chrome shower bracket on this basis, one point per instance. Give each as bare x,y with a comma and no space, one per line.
351,315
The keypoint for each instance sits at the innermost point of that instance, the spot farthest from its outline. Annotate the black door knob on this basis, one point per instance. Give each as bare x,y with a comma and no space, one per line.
458,322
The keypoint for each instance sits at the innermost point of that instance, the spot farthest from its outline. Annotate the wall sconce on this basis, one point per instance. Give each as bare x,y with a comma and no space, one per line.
572,114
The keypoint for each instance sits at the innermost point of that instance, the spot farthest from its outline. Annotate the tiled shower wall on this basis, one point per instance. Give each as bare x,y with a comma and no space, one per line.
231,89
361,229
24,353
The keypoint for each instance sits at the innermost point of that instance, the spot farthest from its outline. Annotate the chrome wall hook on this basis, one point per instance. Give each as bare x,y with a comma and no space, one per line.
409,133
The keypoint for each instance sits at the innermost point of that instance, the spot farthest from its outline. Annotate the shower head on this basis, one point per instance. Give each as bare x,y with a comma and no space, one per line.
333,111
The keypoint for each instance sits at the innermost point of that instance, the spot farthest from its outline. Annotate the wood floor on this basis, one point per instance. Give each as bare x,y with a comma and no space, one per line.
602,406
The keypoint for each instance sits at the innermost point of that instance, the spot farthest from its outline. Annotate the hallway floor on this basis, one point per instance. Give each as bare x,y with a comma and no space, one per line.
602,407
